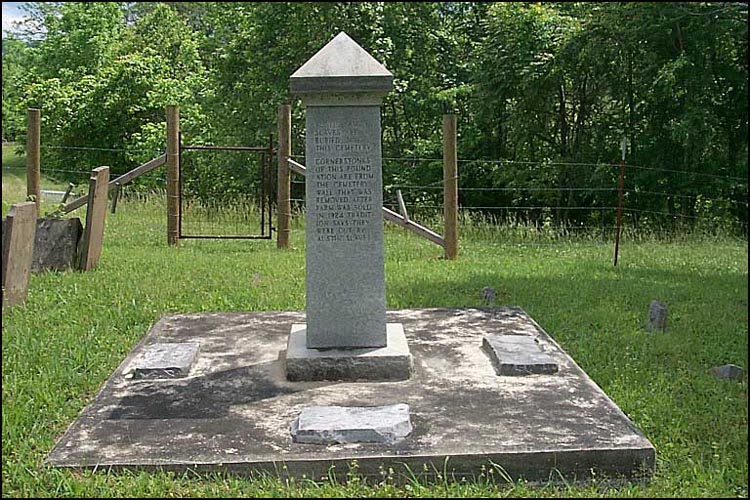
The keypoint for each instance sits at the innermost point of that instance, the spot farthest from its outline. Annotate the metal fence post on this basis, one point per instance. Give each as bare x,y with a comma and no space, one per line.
620,186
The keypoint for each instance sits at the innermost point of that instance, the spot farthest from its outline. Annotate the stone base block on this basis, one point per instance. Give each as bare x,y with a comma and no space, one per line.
392,362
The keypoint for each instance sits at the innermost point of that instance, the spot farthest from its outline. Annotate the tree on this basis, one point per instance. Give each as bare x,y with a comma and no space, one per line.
14,75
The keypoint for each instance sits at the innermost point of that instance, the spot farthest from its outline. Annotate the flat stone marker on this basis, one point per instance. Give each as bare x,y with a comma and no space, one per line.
18,247
342,424
657,316
166,360
518,355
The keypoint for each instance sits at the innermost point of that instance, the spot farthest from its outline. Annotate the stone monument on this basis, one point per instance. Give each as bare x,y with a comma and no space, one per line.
220,382
346,335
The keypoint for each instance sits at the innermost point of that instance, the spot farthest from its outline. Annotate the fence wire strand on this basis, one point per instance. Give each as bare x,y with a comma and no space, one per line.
436,186
86,148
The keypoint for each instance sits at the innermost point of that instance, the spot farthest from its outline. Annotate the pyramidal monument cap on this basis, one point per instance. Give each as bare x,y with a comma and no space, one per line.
341,66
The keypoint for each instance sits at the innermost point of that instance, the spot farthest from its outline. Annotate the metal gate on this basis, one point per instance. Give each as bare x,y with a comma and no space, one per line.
225,200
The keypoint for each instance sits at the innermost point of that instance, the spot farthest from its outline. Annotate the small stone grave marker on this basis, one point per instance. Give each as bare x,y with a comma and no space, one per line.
518,355
56,244
352,424
488,295
728,372
657,316
166,360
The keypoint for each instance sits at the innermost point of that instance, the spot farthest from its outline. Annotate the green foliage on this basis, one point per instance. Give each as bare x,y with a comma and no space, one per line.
14,80
112,100
549,83
567,81
80,40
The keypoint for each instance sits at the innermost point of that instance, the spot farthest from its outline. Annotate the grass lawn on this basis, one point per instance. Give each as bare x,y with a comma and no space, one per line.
76,328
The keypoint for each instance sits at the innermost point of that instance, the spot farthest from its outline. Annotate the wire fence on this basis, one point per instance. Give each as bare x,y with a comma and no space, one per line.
155,152
63,166
520,200
534,193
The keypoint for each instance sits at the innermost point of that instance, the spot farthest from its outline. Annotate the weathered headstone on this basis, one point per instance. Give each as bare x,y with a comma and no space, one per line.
488,295
657,316
342,87
56,244
18,248
93,235
728,372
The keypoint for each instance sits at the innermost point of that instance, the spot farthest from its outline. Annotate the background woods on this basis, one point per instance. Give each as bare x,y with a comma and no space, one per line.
544,93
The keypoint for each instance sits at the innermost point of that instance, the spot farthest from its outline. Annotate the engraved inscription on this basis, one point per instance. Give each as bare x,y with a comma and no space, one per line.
342,178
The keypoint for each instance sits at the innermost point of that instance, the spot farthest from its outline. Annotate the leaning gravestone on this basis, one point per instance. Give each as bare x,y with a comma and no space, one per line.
56,244
342,87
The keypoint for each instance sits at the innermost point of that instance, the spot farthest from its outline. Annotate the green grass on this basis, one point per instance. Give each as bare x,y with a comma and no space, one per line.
76,328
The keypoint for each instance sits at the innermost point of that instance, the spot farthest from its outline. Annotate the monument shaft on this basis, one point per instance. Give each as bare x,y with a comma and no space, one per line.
342,87
344,239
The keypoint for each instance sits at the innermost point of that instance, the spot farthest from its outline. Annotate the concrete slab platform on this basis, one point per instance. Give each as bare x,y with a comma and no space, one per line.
392,362
234,410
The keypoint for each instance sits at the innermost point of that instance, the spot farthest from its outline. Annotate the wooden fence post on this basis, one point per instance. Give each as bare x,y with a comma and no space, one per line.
450,186
173,175
284,176
116,196
33,155
96,211
18,248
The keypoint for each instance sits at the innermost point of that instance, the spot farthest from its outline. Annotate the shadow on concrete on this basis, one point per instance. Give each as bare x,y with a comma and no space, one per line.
208,396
